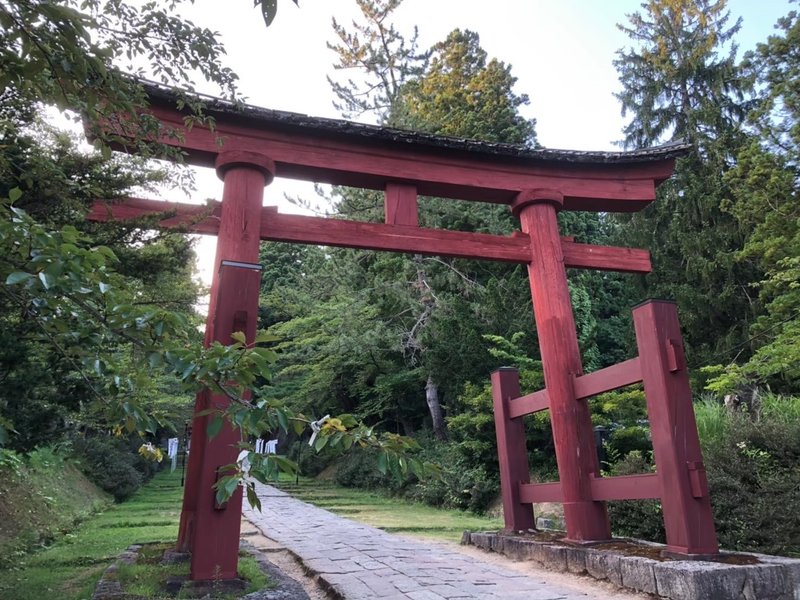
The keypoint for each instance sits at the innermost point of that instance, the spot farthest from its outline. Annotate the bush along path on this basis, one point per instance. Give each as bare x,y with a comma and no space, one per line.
70,568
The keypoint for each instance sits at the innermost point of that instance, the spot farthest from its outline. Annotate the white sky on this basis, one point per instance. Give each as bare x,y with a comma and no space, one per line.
561,51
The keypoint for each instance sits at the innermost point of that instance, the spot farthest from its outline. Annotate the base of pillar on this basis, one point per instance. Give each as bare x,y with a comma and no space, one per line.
206,588
587,521
705,556
585,543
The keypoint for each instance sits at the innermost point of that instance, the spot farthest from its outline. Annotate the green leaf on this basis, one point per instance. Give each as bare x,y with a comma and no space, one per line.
46,280
321,442
383,462
417,468
17,277
283,421
154,359
252,498
269,8
263,336
238,336
14,194
284,464
215,426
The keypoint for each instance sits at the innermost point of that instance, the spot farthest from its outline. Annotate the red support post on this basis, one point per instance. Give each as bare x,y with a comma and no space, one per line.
688,520
586,519
511,451
209,532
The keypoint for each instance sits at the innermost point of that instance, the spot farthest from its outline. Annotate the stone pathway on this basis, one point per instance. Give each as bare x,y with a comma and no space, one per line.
358,562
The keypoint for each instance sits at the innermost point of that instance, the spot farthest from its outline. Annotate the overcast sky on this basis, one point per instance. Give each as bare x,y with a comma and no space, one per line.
561,51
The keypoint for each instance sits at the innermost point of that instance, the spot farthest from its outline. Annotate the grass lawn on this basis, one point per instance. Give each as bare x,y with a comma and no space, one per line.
394,515
70,568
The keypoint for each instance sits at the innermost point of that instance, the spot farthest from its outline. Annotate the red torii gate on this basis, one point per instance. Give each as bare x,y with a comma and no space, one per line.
249,146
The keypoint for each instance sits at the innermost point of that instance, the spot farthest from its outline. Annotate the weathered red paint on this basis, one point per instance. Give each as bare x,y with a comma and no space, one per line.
529,404
248,152
688,520
586,519
541,492
211,534
610,378
358,162
279,227
400,205
511,451
680,480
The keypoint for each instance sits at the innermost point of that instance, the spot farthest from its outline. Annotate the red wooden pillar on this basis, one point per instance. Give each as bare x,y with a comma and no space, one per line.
512,452
209,532
685,500
586,519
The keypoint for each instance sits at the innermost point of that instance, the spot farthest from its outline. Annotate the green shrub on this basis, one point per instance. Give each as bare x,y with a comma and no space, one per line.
639,519
753,476
462,485
713,420
359,469
785,409
754,481
10,461
308,461
112,466
635,438
626,407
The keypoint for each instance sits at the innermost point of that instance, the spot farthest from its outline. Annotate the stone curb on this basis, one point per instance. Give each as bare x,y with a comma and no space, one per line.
109,587
774,578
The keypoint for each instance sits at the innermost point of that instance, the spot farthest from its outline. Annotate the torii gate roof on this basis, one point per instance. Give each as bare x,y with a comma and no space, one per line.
361,155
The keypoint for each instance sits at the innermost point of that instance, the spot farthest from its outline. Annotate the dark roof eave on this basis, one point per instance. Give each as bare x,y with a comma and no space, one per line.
339,127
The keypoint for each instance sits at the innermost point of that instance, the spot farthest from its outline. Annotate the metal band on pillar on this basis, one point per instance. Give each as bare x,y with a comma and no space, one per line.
210,531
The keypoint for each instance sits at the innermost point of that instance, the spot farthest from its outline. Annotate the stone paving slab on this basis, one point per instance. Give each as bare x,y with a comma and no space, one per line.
358,562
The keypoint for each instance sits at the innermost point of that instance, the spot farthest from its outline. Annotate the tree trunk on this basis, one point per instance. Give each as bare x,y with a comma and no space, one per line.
432,398
408,427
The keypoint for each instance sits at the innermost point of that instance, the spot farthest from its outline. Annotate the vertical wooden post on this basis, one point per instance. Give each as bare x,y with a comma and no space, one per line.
688,520
512,452
211,534
400,204
586,519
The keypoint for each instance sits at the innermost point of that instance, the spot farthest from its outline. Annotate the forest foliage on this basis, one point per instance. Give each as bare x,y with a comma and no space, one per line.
100,334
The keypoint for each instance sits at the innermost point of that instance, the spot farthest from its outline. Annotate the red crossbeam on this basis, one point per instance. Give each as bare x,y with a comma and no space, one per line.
532,403
377,236
604,380
626,487
540,492
610,378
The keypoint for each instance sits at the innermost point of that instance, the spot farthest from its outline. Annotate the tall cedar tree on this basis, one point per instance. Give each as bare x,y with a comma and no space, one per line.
681,82
766,201
427,315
